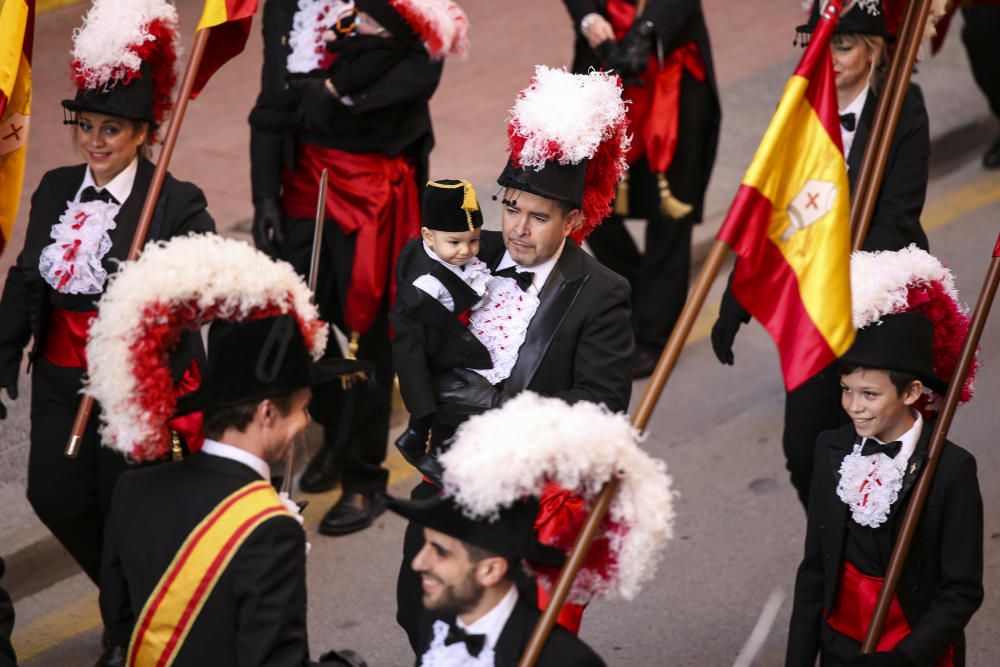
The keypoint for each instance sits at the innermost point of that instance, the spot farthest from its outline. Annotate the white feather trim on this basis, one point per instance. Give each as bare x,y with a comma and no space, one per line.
880,280
223,277
440,21
111,29
306,36
511,452
575,112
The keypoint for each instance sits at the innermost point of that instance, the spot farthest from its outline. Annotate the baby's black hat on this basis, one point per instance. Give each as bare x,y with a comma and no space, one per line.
450,205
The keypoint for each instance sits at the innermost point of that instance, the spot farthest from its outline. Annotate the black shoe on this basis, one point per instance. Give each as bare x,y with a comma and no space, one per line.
412,446
322,473
113,656
991,159
644,361
353,512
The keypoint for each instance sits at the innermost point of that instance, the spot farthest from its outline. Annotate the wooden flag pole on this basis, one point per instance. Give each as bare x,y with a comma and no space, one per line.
664,367
317,247
869,181
142,230
938,435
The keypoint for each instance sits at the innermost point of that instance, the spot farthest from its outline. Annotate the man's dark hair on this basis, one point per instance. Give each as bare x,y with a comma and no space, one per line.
899,379
477,554
219,420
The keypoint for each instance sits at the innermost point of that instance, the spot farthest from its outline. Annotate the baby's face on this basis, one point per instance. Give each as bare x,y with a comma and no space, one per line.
455,248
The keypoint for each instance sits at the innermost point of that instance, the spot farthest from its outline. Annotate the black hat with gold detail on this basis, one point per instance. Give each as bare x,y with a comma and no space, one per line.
450,205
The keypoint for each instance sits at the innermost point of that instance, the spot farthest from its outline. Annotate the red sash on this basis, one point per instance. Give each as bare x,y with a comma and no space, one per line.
856,599
655,106
370,194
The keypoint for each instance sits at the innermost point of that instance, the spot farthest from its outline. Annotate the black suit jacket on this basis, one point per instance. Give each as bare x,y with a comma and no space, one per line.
256,615
427,337
579,343
896,220
27,298
563,648
677,22
389,116
942,581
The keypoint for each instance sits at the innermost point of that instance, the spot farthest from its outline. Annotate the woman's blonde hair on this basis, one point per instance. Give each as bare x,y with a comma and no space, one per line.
876,47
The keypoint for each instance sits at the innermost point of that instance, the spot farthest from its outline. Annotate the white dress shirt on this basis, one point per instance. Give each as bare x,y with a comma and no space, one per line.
541,271
909,439
120,186
492,622
855,107
222,450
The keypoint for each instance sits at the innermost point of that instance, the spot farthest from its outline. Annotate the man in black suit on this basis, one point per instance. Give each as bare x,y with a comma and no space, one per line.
171,525
467,569
665,57
578,344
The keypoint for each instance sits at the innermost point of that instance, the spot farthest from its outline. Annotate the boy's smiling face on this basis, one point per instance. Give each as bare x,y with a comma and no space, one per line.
875,406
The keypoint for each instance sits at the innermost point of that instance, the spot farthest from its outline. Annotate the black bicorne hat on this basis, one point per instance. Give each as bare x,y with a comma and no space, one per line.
251,361
511,534
450,205
133,100
866,17
902,342
562,182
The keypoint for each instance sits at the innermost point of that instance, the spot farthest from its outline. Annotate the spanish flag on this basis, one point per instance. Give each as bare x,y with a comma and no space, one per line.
17,29
230,23
789,222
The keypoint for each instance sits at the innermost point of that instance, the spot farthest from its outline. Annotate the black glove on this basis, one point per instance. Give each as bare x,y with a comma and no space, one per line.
11,388
882,659
723,334
316,102
268,231
412,445
462,393
632,55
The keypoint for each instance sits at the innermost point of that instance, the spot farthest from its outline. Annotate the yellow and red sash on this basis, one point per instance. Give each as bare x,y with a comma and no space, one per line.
178,598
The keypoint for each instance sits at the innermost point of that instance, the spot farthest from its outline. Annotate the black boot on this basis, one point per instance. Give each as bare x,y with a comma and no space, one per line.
322,473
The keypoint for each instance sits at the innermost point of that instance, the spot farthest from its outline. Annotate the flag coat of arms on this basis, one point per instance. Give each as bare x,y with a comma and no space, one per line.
789,222
17,20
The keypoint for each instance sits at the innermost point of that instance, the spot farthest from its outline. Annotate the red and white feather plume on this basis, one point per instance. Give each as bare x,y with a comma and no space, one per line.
563,454
563,117
913,280
175,286
118,37
441,24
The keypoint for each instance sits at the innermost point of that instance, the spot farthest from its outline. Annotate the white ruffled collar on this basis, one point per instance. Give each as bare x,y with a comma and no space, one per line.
869,485
72,263
473,273
305,40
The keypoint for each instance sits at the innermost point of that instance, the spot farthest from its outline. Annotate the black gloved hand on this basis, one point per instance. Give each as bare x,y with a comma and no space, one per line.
11,388
462,393
316,102
268,231
723,334
412,445
632,55
882,659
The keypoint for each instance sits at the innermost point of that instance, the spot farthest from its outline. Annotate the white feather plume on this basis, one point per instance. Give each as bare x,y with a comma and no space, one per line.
111,30
576,112
511,452
443,25
880,281
212,274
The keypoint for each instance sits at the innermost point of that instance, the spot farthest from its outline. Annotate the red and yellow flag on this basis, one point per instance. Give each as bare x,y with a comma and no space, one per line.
789,222
230,22
17,29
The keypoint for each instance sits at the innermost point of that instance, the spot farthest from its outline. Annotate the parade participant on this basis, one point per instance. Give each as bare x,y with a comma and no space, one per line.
979,31
911,329
859,62
557,187
661,49
345,87
80,227
440,282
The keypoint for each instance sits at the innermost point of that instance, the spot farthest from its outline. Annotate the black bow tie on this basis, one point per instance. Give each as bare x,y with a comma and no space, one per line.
473,643
871,447
523,278
90,193
848,121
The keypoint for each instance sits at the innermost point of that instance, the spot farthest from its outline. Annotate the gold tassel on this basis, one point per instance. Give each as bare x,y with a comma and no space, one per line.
621,196
669,204
469,203
176,453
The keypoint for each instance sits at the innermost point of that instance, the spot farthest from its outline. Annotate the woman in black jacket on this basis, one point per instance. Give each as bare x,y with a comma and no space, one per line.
80,228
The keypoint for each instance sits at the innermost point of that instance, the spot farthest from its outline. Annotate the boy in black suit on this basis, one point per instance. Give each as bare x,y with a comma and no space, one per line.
440,282
862,476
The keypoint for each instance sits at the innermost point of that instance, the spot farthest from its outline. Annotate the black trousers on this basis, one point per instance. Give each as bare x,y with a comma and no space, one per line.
356,420
72,497
659,276
812,408
981,36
